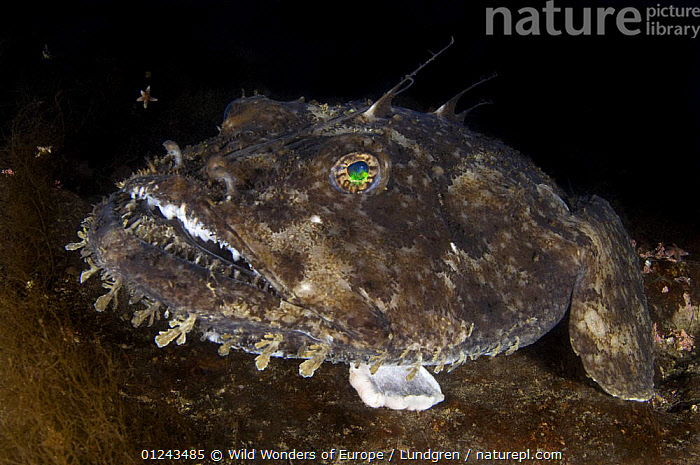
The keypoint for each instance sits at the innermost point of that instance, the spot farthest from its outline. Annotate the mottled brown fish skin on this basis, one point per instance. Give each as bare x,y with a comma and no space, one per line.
454,246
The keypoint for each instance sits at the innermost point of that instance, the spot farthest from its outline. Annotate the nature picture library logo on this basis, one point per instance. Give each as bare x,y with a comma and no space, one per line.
553,20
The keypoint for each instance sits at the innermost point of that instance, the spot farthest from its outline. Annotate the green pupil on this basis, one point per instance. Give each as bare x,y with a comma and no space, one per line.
358,172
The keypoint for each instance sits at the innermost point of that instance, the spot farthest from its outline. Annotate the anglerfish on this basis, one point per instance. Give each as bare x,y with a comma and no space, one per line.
372,235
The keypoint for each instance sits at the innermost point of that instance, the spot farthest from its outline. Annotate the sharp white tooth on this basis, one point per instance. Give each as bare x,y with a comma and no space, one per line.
235,254
207,235
167,211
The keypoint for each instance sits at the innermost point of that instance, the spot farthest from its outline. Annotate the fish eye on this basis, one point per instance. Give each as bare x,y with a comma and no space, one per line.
355,173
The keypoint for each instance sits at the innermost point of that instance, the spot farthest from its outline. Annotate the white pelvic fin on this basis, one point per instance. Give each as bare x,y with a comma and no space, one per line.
388,387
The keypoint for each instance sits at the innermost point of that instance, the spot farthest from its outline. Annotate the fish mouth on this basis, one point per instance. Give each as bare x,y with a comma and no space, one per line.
159,238
177,231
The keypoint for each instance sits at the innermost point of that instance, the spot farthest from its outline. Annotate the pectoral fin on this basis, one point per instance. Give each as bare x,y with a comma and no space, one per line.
609,327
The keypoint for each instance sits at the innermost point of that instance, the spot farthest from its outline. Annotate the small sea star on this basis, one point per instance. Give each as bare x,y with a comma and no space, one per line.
146,97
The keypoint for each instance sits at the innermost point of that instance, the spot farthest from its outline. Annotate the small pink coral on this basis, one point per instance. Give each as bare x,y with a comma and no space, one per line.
684,341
